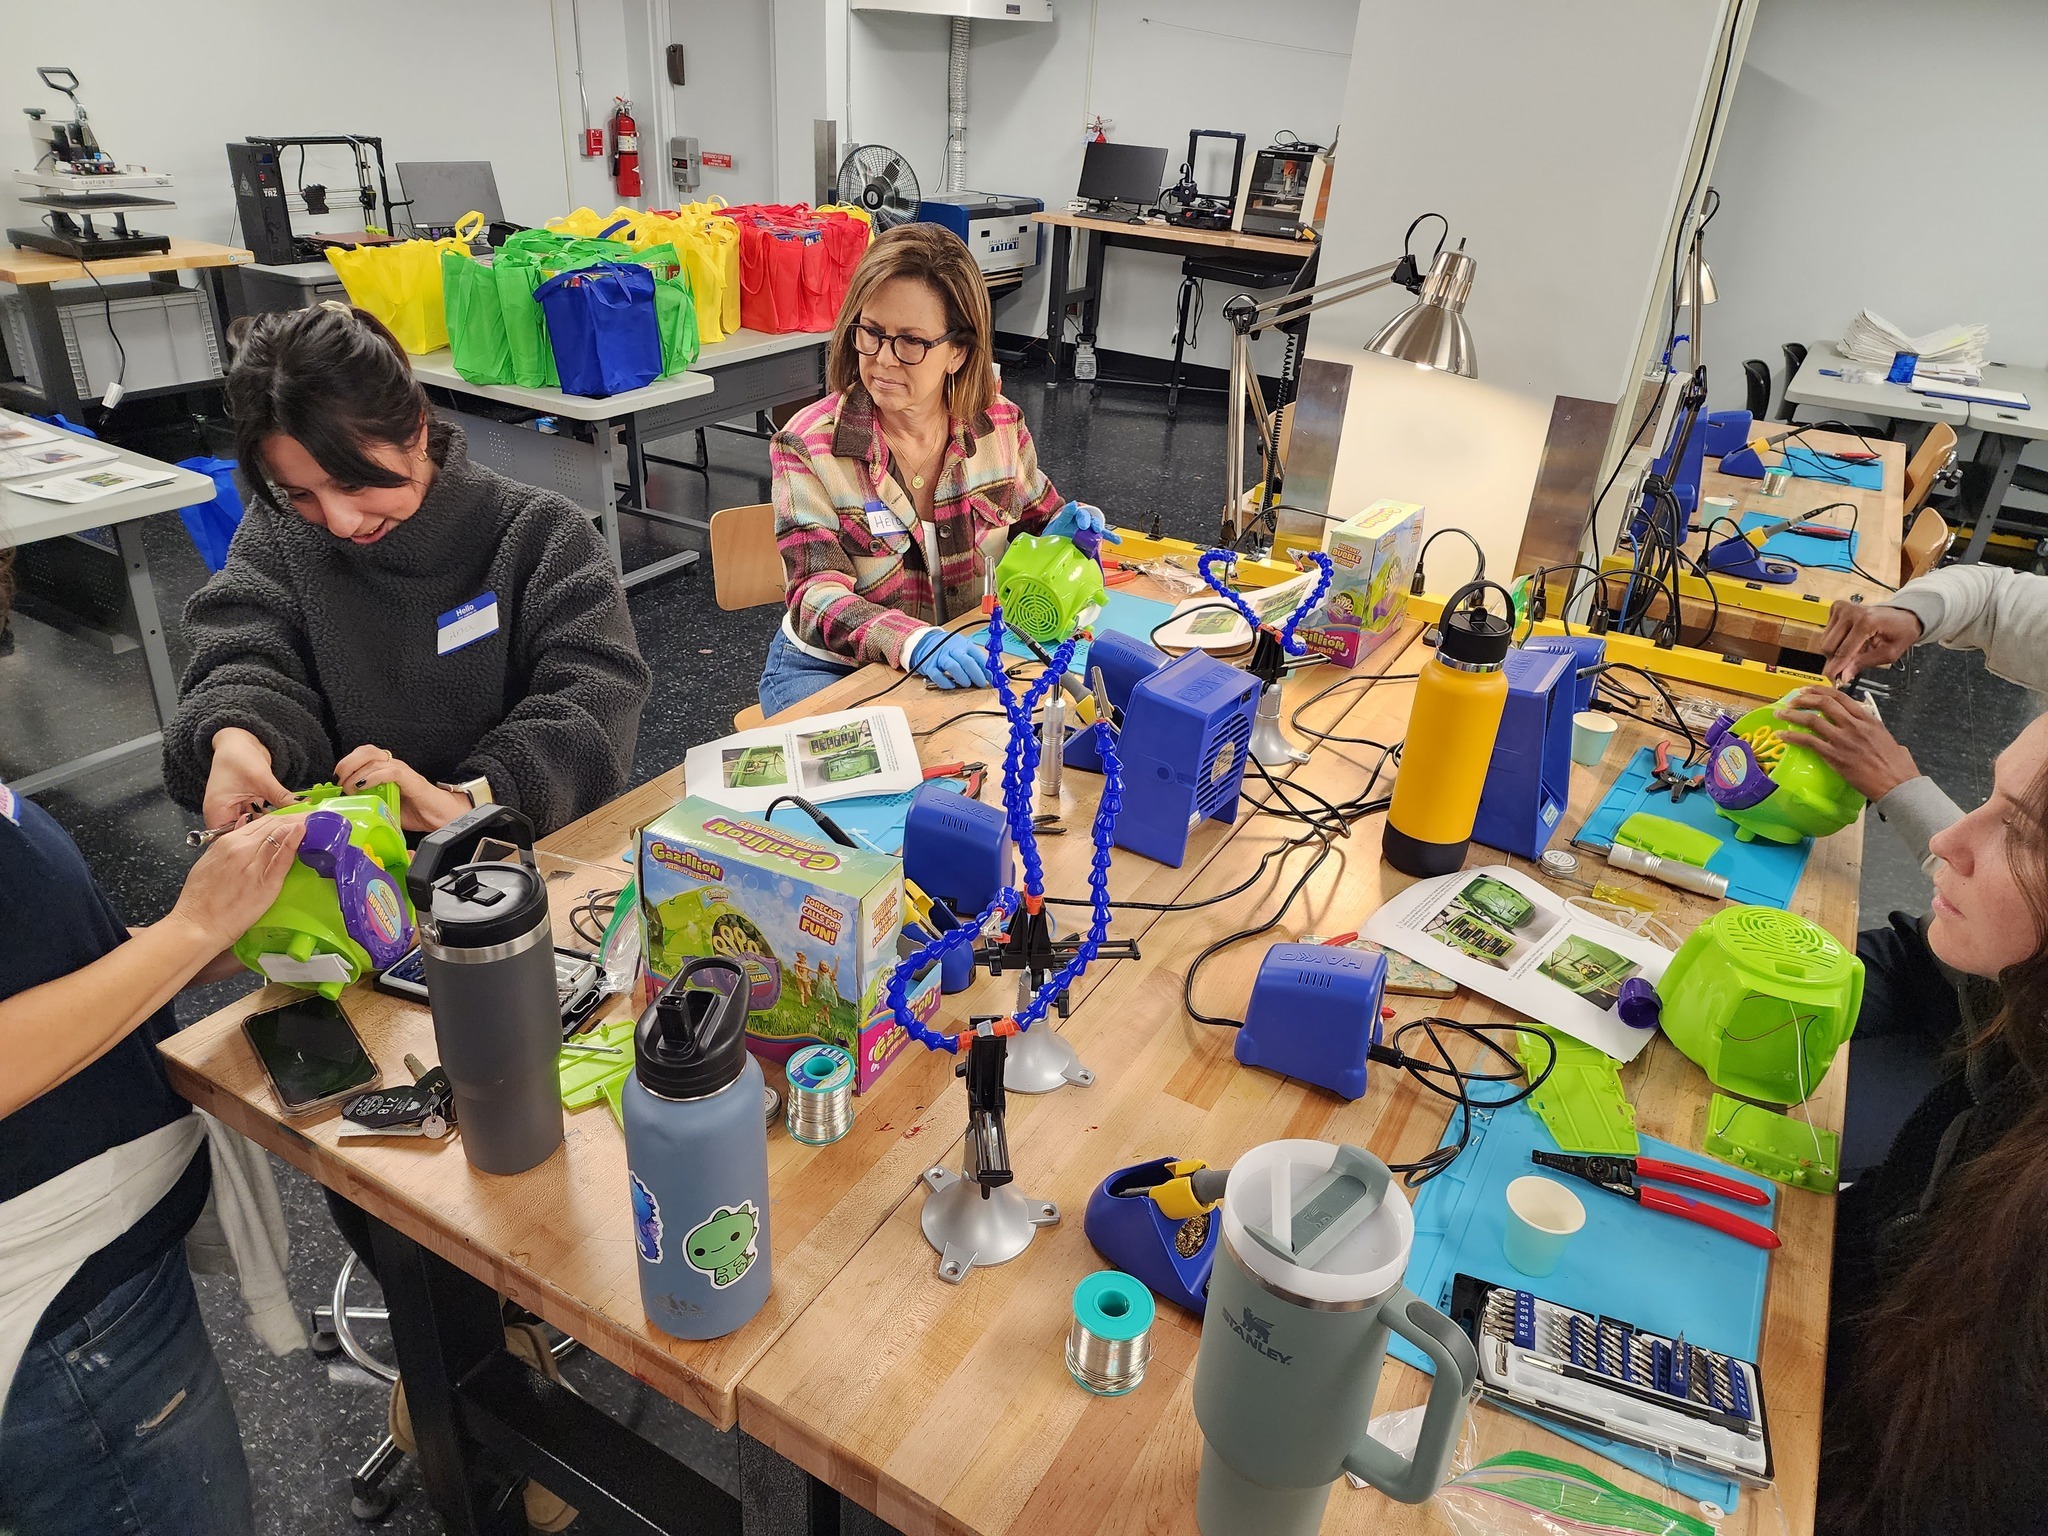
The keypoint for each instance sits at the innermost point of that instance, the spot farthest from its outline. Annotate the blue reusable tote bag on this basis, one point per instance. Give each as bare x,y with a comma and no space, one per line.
603,327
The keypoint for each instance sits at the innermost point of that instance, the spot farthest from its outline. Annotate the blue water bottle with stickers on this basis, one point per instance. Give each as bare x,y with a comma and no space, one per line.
697,1155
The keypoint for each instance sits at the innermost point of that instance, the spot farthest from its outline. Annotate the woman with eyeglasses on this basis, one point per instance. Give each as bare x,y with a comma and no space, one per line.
392,612
894,491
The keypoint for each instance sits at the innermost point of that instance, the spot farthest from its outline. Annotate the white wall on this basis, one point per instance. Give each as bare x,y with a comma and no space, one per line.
1153,71
727,56
1887,161
449,80
1558,159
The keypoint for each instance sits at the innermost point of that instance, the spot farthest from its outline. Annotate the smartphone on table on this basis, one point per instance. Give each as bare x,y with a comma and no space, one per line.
311,1053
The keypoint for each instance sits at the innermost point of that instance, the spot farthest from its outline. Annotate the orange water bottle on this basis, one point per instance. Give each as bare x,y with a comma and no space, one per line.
1459,697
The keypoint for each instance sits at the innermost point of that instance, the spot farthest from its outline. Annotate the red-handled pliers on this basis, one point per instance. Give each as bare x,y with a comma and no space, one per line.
1681,780
971,772
1624,1175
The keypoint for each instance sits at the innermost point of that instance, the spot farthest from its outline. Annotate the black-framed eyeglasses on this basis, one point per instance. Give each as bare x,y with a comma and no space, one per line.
909,350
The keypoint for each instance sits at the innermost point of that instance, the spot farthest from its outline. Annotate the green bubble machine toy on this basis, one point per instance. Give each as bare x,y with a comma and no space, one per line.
1049,586
1762,776
343,912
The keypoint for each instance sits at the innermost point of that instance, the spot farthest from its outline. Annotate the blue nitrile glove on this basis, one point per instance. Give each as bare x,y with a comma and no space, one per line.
1077,519
951,661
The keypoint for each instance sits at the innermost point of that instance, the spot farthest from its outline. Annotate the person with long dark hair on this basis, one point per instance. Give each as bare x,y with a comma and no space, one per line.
391,612
1937,1385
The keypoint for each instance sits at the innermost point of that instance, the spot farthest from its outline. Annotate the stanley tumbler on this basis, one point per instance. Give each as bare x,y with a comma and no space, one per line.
490,964
1306,1288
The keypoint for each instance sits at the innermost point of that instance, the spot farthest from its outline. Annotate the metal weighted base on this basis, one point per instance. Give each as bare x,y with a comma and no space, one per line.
968,1230
1041,1061
1269,744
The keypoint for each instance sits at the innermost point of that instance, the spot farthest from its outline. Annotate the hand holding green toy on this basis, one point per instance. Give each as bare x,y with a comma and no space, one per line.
1851,740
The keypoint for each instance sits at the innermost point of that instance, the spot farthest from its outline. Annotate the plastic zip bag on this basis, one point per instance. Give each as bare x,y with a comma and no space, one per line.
1524,1494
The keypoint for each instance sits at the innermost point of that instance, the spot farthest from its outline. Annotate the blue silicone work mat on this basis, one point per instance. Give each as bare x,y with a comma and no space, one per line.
1762,873
1125,613
1658,1272
1808,464
1803,548
873,821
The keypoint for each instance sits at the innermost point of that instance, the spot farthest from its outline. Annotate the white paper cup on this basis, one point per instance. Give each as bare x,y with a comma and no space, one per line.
1542,1217
1592,734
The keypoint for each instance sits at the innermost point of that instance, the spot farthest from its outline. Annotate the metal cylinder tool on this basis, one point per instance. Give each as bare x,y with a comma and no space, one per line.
820,1094
1109,1341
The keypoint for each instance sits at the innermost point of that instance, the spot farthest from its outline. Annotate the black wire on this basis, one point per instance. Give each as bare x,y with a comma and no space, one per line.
1697,752
1478,554
1187,986
825,823
1368,680
1152,639
1423,1169
596,908
121,374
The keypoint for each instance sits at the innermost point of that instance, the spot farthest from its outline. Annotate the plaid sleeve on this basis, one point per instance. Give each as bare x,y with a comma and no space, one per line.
824,610
1037,500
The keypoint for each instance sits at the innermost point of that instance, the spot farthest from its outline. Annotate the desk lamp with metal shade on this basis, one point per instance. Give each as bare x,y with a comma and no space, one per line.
1430,333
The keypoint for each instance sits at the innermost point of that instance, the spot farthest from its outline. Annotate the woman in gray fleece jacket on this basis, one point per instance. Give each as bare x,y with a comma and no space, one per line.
392,612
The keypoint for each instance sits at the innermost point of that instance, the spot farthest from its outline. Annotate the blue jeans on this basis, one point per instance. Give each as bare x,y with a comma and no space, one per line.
122,1423
790,676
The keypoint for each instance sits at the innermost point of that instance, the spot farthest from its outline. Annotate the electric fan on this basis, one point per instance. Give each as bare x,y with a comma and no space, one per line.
875,177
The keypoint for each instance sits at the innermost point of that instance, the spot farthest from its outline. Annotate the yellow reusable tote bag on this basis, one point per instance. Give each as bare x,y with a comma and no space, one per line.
400,284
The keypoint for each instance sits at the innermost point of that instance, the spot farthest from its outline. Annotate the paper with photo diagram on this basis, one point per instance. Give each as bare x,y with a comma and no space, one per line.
1513,940
822,757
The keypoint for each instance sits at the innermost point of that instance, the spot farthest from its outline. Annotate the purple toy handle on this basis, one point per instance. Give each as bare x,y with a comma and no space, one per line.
372,906
1734,778
1089,542
1638,1006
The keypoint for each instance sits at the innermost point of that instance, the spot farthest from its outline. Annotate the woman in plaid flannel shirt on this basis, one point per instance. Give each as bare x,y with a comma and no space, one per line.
892,491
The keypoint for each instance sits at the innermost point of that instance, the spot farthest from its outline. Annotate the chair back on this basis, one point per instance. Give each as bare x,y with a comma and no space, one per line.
746,567
1927,540
1795,359
1756,387
1936,452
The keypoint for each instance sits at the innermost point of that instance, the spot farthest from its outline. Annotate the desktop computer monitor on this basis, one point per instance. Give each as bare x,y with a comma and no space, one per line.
439,192
1122,173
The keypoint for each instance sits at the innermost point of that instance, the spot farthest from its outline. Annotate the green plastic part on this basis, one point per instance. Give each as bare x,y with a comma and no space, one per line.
1047,587
1530,1481
588,1076
1668,839
304,923
1788,1151
1581,1102
1761,1000
1811,800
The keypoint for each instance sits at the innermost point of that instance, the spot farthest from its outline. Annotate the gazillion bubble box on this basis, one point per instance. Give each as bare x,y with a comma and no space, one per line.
814,925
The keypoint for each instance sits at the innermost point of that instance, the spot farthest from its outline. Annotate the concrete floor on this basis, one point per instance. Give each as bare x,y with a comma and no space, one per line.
305,1427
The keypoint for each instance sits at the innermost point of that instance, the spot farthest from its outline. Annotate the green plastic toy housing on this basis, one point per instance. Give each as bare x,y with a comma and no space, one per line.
1047,587
304,923
1761,1000
1812,800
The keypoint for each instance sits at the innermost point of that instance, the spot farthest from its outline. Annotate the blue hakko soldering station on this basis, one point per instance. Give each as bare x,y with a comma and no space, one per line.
1529,781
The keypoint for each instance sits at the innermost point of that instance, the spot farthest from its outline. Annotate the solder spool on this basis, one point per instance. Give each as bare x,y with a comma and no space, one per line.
820,1094
1109,1342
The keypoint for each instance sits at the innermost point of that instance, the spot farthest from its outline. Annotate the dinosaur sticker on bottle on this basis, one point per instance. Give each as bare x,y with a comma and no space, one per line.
725,1246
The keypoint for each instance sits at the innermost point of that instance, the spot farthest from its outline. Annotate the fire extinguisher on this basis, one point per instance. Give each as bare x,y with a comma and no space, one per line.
625,149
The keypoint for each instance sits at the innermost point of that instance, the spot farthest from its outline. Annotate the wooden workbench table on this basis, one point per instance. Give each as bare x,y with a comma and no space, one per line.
1761,620
558,1239
27,268
949,1408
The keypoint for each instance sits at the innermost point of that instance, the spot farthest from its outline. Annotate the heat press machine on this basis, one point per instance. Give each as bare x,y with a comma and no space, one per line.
1761,1000
75,181
343,912
1157,1221
1768,784
1529,779
1050,585
1314,1015
1271,648
976,1215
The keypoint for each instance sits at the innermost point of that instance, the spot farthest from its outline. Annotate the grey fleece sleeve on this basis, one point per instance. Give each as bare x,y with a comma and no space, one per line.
567,746
1985,608
249,669
1916,810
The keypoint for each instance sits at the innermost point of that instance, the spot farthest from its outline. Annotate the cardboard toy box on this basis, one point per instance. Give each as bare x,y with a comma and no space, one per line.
815,925
1374,554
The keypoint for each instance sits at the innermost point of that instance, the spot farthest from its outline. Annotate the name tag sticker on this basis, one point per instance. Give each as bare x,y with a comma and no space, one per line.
882,521
466,625
9,807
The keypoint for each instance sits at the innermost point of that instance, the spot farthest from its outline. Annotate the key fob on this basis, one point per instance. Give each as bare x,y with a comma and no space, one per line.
425,1108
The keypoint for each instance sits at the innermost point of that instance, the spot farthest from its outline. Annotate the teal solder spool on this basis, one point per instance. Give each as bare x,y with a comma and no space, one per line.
1109,1342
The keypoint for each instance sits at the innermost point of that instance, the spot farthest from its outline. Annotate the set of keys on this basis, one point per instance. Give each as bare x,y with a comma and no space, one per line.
424,1107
